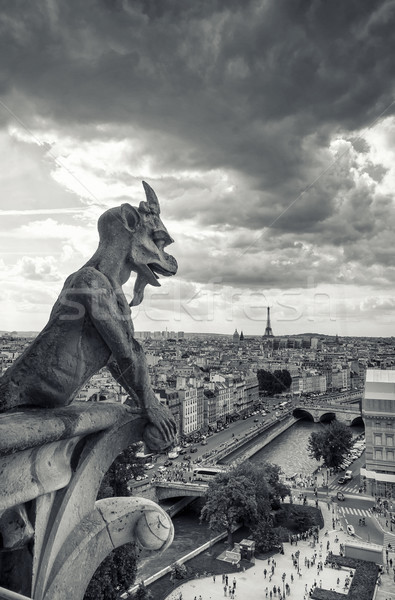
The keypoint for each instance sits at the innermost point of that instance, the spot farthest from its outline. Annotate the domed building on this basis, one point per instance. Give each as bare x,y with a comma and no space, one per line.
236,337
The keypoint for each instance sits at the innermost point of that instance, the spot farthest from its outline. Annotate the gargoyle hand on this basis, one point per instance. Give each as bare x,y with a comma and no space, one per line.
161,417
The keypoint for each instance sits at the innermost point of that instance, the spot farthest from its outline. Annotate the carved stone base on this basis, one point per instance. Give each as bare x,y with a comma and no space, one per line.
58,475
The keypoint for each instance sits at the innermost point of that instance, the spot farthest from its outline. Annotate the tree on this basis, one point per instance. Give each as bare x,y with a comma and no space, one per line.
142,593
267,483
331,444
118,569
247,493
274,383
115,481
265,535
277,488
115,574
230,499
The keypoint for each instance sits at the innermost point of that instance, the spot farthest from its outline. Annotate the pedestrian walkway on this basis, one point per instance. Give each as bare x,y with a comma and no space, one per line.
349,490
253,582
359,512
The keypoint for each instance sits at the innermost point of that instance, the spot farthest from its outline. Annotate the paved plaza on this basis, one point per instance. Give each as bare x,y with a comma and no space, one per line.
252,584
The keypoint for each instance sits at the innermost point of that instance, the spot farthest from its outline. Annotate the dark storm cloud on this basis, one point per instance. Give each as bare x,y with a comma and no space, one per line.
257,88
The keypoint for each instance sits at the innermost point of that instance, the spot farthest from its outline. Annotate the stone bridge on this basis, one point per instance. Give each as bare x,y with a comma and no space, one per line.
348,414
173,489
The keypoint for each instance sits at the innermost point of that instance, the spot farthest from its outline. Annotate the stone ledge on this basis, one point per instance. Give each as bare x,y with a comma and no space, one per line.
33,427
37,445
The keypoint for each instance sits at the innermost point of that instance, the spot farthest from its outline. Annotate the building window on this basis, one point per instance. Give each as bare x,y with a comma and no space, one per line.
390,455
378,454
377,439
389,440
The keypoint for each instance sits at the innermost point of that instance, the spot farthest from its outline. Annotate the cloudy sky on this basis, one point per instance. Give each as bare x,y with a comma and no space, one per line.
266,127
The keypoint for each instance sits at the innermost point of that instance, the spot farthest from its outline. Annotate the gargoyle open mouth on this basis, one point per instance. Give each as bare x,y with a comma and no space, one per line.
159,270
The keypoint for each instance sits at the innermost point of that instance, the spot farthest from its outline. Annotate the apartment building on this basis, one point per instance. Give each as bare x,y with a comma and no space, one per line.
378,413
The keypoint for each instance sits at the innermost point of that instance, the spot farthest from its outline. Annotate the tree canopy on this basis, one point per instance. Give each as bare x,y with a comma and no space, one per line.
230,499
244,494
331,444
274,383
115,574
118,570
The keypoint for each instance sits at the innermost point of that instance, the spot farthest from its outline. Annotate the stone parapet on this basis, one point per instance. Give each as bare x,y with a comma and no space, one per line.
54,534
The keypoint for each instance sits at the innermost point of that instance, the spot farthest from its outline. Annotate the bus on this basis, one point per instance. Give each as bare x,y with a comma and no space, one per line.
206,473
145,459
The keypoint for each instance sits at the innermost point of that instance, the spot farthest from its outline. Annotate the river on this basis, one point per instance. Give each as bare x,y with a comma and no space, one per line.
288,450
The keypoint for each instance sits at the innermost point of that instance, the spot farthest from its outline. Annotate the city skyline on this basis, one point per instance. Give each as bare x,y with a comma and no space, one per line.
266,130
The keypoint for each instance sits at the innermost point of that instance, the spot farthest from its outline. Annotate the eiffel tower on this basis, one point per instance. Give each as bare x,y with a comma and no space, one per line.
268,330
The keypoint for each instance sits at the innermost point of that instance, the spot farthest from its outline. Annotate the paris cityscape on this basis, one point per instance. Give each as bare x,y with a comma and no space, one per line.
211,385
197,349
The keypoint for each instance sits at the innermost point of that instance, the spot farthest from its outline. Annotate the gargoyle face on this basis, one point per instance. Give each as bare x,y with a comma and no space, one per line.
147,253
138,236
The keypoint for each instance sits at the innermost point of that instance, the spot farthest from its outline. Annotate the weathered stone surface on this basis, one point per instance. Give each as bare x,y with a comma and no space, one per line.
113,522
90,324
53,452
15,527
36,427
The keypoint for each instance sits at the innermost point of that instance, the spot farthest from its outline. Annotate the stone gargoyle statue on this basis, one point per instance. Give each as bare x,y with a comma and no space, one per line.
90,324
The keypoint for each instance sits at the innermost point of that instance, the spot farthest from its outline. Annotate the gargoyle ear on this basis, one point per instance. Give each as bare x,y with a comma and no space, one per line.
130,216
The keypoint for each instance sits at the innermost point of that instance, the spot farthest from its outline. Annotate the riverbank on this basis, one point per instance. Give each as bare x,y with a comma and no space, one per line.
263,439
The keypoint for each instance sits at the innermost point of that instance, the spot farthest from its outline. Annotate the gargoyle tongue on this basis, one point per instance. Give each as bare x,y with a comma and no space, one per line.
139,287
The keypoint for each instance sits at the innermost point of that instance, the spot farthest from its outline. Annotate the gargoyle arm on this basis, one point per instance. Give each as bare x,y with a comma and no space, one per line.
110,315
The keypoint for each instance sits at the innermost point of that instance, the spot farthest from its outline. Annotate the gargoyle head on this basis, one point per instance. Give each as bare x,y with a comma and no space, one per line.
142,237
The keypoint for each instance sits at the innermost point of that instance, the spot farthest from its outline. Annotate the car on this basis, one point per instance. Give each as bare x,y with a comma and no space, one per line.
192,449
350,530
150,466
186,457
348,475
256,420
162,468
341,480
168,463
182,451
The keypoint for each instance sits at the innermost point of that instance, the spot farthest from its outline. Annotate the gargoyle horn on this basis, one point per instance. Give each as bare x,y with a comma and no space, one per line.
152,199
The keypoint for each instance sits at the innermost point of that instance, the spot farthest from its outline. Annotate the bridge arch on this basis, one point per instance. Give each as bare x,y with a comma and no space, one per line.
302,414
327,417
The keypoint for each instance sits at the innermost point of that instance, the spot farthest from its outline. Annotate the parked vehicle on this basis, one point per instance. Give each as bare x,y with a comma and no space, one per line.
350,530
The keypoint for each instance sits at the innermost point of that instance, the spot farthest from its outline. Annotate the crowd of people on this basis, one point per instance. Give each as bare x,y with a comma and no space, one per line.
295,573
